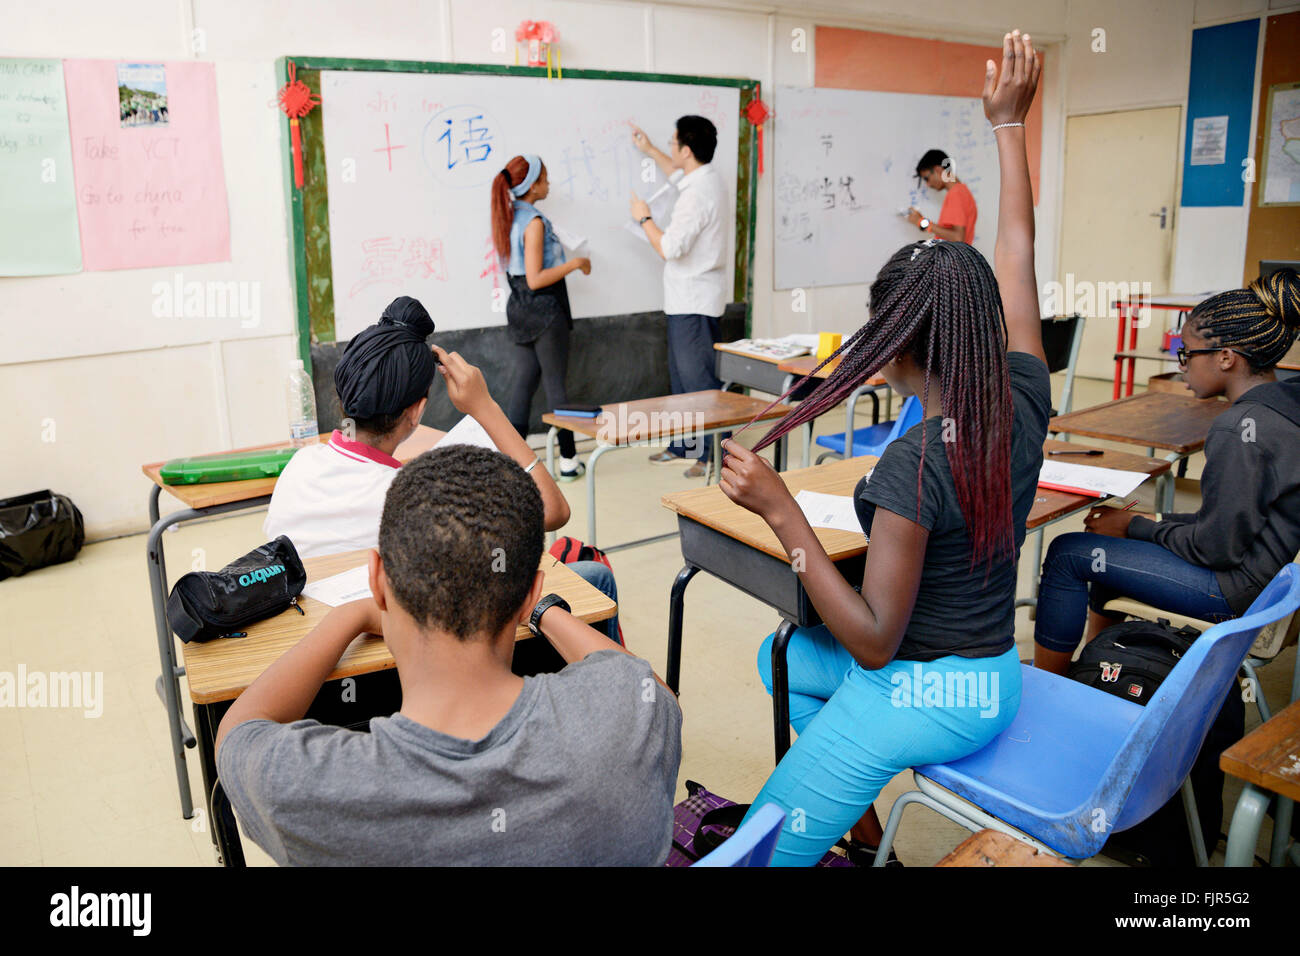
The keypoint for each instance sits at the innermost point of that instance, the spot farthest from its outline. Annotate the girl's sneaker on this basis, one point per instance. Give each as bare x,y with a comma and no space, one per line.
571,469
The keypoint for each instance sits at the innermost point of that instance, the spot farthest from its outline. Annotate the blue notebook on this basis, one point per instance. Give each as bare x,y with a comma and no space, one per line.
579,411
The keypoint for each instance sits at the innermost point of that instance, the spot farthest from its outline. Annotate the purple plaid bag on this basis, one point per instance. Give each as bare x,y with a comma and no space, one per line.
704,820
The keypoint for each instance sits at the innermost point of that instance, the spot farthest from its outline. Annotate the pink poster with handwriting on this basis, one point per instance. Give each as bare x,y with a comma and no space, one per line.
146,154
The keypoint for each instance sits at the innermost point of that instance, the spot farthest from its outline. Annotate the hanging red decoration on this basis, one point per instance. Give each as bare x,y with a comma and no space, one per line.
757,112
297,100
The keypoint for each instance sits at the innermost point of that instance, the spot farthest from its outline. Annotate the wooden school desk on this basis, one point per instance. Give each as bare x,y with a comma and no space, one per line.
776,376
762,372
1051,506
804,366
626,424
1129,311
737,546
1173,423
220,670
1268,759
204,501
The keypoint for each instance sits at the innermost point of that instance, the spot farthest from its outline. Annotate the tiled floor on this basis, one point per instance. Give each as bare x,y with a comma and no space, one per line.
101,791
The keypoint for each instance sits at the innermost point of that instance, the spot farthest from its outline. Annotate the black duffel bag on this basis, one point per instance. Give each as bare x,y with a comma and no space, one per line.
208,604
36,530
1131,660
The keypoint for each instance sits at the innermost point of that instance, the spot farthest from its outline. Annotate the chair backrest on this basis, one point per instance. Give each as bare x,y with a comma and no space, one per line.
908,416
1161,747
1058,340
753,843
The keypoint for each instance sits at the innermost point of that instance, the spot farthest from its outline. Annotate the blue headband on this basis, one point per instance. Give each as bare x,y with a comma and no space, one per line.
534,170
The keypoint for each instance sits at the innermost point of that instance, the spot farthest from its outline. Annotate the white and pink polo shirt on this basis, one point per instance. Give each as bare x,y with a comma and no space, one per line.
330,497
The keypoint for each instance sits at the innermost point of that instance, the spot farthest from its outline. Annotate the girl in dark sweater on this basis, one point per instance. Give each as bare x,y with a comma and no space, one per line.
1212,564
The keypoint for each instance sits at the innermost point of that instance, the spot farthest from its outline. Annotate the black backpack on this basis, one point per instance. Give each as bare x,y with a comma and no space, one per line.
1131,660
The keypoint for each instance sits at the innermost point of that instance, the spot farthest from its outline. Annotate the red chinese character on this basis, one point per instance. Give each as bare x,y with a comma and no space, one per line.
379,262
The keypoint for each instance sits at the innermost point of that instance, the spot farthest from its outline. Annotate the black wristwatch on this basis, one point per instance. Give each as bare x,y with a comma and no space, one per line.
544,605
643,220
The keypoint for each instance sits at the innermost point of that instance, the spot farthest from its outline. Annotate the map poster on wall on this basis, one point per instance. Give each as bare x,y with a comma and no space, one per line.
146,148
1281,173
36,185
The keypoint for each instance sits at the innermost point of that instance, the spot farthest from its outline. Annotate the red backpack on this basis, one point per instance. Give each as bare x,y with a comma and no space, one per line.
568,550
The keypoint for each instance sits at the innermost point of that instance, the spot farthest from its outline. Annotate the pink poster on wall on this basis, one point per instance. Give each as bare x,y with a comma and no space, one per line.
146,154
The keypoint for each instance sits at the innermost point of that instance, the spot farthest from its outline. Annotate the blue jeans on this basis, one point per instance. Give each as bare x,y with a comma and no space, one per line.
1085,570
602,579
691,365
859,728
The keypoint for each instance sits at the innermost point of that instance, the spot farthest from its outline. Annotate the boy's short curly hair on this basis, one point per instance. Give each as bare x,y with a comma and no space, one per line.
461,537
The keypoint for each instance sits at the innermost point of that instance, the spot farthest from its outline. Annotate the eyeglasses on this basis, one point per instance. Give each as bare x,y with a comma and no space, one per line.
1183,353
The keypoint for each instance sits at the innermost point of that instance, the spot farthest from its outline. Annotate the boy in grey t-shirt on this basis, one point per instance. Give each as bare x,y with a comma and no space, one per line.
480,766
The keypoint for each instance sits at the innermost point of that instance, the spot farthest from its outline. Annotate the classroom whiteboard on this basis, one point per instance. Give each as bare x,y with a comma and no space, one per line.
410,158
846,165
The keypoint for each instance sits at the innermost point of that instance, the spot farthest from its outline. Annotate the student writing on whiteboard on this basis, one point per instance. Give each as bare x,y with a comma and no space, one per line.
693,245
538,319
957,215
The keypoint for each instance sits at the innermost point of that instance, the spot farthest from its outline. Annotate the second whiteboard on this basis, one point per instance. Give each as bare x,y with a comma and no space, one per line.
845,166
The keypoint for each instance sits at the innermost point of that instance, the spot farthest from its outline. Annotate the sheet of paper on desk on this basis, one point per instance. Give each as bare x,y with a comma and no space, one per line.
341,588
467,431
828,511
1089,479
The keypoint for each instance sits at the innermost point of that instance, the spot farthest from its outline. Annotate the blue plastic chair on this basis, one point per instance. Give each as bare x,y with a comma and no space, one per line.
753,843
874,439
1078,764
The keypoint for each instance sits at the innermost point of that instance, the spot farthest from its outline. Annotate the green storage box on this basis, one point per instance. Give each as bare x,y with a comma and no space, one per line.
231,466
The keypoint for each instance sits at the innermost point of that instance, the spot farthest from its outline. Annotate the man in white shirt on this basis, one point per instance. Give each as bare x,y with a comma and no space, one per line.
694,248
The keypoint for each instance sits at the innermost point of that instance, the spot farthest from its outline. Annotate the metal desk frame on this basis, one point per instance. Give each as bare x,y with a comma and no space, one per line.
715,469
168,684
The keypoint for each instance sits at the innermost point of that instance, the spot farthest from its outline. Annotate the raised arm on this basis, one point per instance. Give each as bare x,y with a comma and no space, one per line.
469,393
1008,94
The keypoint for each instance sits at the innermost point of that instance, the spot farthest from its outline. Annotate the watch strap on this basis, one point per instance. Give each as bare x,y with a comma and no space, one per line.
544,605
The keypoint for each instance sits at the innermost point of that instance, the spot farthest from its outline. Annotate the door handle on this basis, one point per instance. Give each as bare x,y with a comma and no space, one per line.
1163,214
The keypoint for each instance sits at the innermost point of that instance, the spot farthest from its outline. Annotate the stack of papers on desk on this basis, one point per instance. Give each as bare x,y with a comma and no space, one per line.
769,348
1088,479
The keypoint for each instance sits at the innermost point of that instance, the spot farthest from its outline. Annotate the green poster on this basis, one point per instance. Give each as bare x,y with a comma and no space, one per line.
37,190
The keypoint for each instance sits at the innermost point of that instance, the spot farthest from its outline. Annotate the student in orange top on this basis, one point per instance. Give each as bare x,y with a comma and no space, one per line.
957,217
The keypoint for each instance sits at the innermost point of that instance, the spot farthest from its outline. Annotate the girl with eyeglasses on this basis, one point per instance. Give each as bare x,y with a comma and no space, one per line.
1213,563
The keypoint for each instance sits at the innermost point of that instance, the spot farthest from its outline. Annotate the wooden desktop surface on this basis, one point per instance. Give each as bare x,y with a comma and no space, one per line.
1154,419
622,423
210,494
221,669
1269,756
805,364
711,507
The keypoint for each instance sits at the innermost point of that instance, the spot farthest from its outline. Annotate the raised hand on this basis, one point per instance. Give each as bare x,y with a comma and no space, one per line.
466,386
1009,92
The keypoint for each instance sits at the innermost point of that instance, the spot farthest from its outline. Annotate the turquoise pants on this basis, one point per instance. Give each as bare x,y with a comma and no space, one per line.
859,728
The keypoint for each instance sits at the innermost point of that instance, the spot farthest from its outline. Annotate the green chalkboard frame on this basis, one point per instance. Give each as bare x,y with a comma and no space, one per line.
308,208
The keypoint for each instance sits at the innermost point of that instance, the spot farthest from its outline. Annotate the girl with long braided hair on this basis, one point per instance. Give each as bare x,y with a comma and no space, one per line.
944,507
1213,563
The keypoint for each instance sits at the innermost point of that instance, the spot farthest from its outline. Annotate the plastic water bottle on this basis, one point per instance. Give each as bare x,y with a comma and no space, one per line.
302,406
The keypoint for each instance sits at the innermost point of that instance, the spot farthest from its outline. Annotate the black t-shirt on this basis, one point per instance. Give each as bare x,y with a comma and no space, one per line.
959,611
